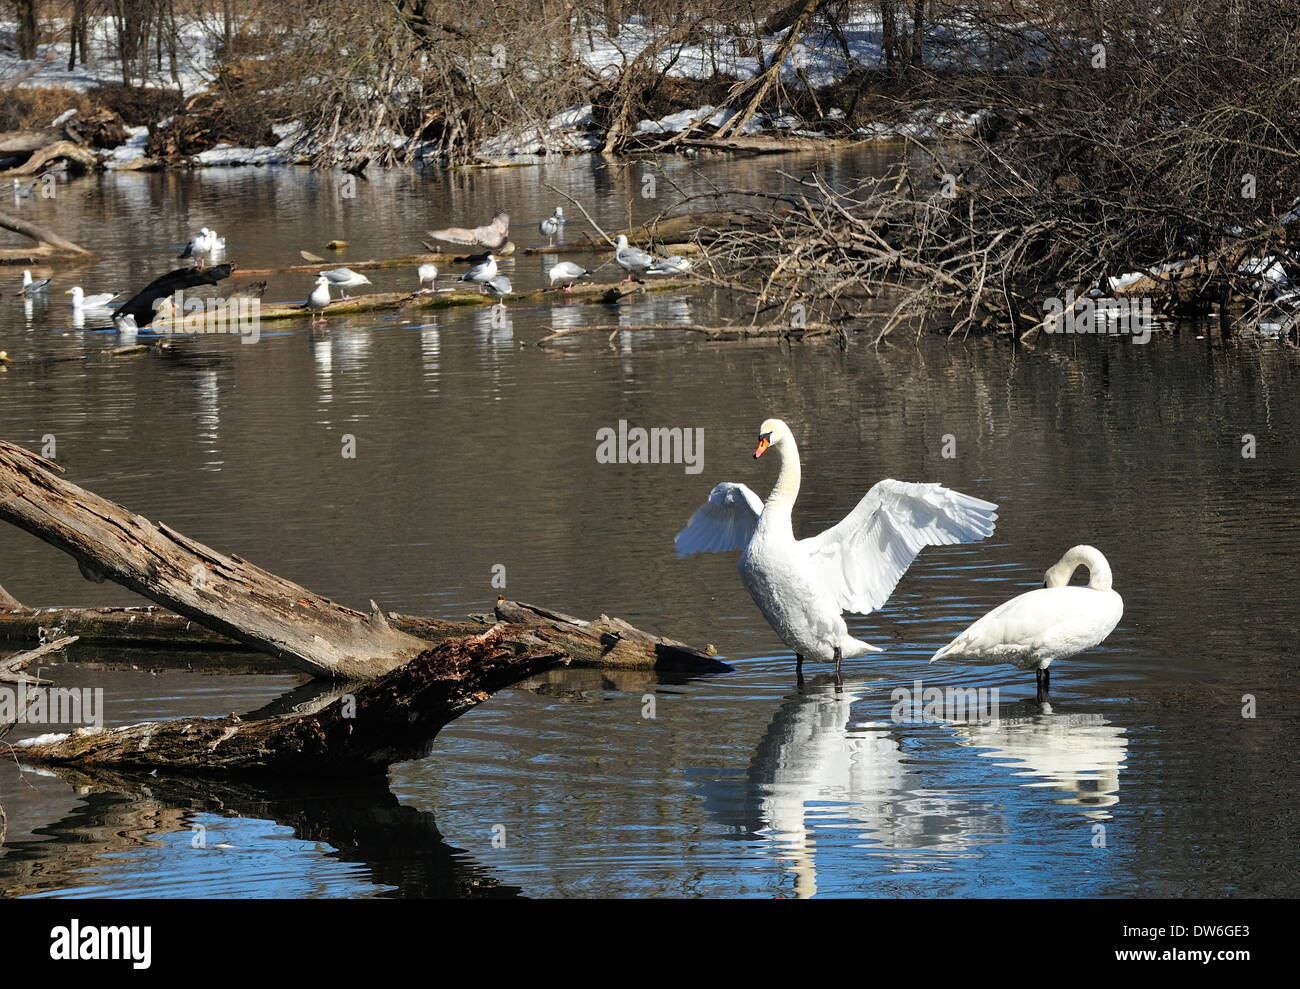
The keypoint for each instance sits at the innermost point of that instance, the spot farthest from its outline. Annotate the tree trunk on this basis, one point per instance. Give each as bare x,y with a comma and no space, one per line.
384,721
49,244
28,28
225,593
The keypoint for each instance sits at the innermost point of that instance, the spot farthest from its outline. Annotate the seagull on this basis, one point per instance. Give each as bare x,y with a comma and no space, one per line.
203,245
499,286
23,191
80,300
319,298
428,277
481,273
669,266
125,324
31,288
567,272
494,237
633,260
344,279
553,224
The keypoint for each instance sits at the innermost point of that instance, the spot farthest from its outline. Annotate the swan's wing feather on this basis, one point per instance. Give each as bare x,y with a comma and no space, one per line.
861,560
723,523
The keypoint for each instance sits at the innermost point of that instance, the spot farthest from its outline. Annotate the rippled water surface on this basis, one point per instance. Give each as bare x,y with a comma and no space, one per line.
476,448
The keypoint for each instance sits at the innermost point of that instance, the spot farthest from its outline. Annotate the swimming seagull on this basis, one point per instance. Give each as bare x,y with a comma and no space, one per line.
567,272
633,260
428,277
481,273
80,300
23,191
31,287
344,279
553,224
494,237
319,298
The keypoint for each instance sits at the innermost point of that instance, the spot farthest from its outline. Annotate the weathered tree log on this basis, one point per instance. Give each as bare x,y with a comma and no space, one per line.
225,593
48,243
386,720
69,151
605,642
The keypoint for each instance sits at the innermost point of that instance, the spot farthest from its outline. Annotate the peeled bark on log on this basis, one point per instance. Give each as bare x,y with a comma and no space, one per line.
225,593
386,720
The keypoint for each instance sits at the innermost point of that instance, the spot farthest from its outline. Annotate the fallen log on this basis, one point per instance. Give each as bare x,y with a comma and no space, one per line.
605,642
225,593
49,245
605,293
82,159
386,720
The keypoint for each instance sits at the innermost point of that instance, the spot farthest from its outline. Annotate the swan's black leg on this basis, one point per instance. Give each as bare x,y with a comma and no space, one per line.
838,657
798,667
1042,684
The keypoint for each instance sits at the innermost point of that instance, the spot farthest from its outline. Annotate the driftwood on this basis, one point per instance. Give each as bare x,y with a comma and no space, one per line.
603,642
763,83
225,593
384,721
49,245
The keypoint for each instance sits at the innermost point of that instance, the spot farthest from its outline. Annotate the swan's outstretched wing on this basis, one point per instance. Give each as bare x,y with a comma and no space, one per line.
861,560
492,236
723,523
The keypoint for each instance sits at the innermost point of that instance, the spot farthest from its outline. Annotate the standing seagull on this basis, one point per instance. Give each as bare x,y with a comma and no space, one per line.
481,273
633,260
553,225
203,245
499,286
319,298
493,237
344,279
803,585
32,288
1052,622
428,277
567,272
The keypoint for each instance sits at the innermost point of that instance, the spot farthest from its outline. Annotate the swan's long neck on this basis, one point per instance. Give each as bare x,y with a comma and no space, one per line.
1099,578
781,501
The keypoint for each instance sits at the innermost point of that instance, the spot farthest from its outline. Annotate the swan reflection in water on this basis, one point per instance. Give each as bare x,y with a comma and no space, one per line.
1077,754
819,768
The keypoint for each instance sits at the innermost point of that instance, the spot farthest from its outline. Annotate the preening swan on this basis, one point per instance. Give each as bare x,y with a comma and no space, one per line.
1054,621
802,586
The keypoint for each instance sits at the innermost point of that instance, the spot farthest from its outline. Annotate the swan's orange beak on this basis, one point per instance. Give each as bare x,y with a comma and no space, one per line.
763,444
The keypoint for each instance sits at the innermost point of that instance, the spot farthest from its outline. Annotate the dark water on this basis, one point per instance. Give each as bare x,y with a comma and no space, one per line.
476,449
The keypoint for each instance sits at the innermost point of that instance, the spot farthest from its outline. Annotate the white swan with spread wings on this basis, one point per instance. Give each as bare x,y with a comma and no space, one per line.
803,586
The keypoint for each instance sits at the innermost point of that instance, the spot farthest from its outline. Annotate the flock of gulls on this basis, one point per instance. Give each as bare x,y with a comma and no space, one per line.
205,251
804,586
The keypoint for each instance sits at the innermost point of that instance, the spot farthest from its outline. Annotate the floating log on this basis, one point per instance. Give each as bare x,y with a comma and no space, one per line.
225,593
604,293
386,720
